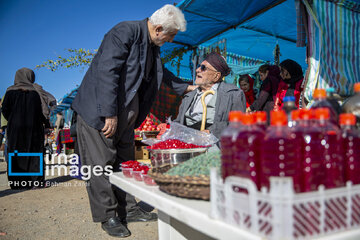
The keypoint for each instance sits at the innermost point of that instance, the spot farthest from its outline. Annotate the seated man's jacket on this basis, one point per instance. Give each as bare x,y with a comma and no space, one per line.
229,98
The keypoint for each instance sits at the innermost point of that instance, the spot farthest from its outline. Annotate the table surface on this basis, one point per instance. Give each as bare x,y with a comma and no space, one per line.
195,213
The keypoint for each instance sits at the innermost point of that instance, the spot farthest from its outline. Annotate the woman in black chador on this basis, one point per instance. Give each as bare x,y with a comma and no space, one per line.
26,109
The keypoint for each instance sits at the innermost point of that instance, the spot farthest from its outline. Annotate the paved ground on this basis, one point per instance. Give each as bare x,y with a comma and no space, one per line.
59,212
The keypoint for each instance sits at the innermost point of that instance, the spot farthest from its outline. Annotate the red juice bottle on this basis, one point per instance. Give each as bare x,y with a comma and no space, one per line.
311,153
247,150
228,138
294,118
261,120
320,101
331,144
280,152
352,104
351,147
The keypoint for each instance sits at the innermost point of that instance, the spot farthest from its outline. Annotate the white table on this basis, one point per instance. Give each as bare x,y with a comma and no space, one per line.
181,218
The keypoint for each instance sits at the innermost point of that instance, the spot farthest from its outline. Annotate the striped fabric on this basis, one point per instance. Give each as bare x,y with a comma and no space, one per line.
334,46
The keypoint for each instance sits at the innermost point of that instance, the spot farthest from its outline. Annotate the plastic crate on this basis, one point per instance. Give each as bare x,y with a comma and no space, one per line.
281,213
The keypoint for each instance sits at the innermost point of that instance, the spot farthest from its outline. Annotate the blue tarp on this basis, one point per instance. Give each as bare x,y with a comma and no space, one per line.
251,28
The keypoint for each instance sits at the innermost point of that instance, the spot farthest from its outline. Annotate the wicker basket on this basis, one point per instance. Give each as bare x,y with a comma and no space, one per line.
187,187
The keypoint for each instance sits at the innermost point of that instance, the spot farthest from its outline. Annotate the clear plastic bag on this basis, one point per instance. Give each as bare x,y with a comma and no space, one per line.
185,134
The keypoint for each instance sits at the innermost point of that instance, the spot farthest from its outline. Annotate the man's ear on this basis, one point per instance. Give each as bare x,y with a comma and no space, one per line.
218,77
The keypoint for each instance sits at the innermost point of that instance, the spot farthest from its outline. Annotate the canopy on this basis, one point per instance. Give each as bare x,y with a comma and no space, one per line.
251,28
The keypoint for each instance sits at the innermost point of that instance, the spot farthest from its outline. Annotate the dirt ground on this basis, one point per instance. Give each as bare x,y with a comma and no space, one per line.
61,211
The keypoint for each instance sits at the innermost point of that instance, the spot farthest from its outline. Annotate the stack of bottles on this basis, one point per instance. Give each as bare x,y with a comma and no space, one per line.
313,151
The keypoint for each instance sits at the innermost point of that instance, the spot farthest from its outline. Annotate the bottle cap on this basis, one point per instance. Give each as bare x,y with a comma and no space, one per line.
322,113
235,116
289,99
248,119
305,114
357,87
295,114
330,90
278,118
260,116
347,119
319,93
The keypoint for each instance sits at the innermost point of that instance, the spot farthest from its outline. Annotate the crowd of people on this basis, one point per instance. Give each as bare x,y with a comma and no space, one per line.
116,95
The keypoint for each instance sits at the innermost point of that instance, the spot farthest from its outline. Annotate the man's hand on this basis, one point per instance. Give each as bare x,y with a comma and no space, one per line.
248,110
191,88
110,126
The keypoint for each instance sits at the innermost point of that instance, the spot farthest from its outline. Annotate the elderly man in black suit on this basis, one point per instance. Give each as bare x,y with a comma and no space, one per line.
115,96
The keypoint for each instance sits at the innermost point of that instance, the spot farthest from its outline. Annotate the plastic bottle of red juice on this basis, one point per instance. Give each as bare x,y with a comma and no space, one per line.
261,120
352,104
351,147
311,154
228,137
247,150
320,101
331,144
280,154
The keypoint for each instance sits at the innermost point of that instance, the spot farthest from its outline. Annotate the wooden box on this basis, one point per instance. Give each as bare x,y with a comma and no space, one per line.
141,153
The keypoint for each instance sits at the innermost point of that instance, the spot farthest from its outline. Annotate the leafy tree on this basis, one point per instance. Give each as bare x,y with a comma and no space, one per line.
78,58
82,57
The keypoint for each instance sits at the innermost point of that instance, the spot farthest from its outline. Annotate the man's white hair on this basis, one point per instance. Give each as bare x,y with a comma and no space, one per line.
170,18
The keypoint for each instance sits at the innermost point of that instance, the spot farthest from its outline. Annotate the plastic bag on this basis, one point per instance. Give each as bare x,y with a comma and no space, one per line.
185,134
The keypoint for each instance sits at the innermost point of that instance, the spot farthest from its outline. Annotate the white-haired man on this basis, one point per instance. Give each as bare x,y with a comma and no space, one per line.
114,98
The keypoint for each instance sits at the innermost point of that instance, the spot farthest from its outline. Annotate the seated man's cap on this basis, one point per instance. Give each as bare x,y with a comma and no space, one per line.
218,62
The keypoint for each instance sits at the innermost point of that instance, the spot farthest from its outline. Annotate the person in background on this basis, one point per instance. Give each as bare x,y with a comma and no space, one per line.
270,75
114,98
291,83
59,124
246,84
26,110
3,131
228,97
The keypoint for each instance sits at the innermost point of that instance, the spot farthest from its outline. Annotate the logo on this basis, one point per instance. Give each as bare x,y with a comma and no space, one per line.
66,165
17,154
75,169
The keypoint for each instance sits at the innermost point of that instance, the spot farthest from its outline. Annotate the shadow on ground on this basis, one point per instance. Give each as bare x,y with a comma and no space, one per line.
50,182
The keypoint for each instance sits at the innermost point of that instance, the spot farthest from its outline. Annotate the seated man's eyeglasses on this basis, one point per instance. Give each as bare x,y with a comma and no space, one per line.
203,68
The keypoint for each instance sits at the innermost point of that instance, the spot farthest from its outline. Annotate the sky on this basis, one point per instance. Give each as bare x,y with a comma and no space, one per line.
34,31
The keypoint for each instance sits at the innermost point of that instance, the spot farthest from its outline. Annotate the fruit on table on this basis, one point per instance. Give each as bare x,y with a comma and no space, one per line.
142,168
147,125
174,144
136,166
162,127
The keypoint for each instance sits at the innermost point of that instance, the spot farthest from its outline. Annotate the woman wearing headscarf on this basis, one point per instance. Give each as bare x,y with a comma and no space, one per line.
227,97
270,77
291,83
26,110
247,85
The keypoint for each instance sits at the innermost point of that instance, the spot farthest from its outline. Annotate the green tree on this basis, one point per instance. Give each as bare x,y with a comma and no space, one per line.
78,58
82,58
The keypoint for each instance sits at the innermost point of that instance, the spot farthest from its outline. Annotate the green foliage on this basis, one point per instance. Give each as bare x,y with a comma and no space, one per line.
82,57
174,57
79,57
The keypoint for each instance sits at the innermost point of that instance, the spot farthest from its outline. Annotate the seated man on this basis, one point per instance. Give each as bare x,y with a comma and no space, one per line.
227,97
